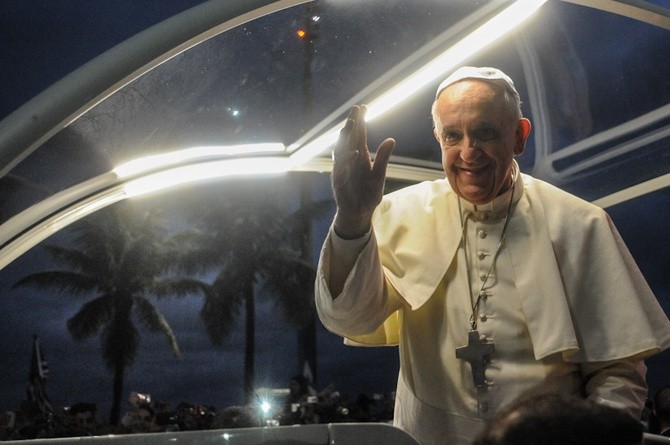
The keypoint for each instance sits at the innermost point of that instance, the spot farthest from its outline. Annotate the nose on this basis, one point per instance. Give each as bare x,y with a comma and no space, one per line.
470,153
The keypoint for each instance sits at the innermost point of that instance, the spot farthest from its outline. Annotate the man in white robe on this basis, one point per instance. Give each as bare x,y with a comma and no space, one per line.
536,278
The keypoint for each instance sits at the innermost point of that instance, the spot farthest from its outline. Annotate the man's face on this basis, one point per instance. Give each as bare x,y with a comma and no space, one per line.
479,137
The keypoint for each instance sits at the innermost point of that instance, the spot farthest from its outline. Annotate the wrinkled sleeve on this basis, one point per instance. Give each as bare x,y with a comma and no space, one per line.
362,306
620,384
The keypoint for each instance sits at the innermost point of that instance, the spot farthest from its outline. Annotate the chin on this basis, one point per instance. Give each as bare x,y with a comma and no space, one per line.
476,197
476,200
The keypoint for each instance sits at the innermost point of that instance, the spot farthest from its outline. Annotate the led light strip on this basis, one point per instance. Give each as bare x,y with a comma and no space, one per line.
203,171
179,157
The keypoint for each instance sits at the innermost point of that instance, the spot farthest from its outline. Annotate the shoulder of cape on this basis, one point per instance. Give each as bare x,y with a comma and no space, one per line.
414,197
555,202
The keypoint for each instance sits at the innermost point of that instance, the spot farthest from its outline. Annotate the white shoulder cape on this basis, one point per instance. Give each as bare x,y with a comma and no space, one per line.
581,292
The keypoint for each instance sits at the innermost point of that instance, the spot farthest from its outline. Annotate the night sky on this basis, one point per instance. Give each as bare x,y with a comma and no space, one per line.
44,40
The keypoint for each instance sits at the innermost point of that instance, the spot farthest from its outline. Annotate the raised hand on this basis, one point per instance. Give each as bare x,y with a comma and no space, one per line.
358,182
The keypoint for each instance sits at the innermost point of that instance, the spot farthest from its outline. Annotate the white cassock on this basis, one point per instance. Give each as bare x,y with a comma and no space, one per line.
565,306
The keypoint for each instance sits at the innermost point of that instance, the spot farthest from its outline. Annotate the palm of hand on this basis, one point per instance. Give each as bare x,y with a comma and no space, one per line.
357,181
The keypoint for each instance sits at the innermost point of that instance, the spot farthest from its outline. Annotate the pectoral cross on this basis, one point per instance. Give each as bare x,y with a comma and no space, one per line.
477,353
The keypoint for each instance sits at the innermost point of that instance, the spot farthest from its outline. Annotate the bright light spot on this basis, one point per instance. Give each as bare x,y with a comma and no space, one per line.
316,18
175,158
301,33
226,436
203,171
234,112
265,407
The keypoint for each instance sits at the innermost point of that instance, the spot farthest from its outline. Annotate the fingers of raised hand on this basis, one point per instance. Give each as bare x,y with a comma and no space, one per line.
353,136
382,157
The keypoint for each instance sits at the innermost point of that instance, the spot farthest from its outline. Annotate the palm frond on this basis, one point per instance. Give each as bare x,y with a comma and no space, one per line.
74,258
298,223
199,251
179,287
91,318
219,311
60,280
289,280
150,318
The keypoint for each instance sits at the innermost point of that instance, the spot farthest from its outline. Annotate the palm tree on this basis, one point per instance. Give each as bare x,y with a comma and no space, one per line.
120,259
253,244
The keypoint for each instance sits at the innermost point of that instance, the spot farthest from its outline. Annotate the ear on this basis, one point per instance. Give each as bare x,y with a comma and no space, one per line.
522,132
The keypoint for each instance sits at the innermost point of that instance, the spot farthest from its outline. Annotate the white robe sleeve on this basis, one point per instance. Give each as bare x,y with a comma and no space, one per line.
620,384
363,304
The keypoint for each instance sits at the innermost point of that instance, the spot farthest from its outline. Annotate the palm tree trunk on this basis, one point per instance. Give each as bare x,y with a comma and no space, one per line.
250,343
115,412
121,329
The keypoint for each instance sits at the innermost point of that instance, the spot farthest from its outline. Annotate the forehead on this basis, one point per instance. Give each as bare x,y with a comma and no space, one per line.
470,97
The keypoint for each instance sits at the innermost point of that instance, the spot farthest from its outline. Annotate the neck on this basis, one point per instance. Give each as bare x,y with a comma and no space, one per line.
508,186
511,177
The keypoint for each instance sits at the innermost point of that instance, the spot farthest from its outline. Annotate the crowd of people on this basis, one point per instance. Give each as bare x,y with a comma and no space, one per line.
300,405
537,419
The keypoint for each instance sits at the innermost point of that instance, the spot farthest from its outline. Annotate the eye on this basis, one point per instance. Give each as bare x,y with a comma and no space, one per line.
450,137
486,134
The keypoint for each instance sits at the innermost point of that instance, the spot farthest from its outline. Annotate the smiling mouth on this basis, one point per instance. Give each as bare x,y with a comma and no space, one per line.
472,170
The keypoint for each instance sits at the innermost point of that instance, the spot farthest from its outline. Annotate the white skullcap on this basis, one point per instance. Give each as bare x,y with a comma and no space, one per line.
472,72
